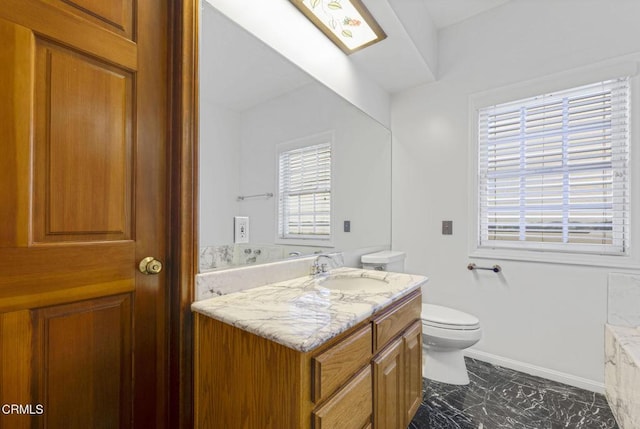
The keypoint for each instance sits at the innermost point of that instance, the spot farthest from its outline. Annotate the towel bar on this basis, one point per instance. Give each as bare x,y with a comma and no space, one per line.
496,268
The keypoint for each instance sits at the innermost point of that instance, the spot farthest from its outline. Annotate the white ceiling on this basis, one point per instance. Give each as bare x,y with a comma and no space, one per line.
448,12
238,70
406,58
396,63
241,71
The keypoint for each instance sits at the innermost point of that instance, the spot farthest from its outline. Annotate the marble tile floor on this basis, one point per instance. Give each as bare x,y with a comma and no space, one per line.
500,398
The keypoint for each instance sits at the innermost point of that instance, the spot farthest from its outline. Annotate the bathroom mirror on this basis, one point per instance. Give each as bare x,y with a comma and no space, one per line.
254,102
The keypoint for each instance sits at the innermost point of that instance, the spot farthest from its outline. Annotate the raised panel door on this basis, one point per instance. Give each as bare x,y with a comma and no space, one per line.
83,198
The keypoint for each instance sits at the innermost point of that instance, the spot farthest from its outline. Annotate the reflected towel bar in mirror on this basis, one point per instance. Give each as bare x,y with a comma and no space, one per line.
244,197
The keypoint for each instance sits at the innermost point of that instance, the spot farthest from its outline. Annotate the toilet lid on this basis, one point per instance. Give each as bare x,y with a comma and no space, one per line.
445,317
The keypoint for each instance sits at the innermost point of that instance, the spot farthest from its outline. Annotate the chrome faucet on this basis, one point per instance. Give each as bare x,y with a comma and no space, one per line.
317,268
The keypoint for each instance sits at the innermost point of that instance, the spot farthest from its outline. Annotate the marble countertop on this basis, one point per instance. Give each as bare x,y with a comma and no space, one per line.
300,313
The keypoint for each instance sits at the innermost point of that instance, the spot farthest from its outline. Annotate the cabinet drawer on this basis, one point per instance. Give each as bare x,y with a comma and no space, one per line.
350,408
394,321
335,366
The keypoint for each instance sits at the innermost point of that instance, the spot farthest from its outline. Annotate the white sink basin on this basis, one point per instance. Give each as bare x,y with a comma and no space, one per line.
354,283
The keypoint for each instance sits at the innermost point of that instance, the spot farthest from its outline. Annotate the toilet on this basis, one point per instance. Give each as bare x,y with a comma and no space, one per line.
386,260
445,332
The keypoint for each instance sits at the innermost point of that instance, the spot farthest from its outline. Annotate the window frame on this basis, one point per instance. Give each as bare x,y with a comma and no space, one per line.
312,140
556,83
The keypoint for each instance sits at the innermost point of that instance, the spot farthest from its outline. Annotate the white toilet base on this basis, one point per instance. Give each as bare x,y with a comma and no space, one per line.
444,366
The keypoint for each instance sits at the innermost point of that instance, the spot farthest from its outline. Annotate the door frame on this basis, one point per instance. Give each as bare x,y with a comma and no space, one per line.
183,197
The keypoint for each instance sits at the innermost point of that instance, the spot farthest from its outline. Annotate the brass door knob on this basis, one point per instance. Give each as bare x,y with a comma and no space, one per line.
150,265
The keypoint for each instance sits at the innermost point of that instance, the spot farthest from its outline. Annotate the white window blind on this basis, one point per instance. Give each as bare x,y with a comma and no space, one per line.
305,192
553,171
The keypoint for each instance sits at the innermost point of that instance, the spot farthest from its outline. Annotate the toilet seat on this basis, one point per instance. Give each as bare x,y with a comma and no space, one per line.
448,318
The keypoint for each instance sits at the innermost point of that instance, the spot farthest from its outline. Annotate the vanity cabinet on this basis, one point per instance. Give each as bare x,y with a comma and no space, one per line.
368,377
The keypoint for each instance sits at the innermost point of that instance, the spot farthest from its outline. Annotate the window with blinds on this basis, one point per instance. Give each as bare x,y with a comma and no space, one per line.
553,171
305,193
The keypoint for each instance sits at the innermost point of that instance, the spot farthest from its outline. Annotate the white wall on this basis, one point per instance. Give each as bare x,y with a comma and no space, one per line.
275,21
219,172
361,173
540,317
219,181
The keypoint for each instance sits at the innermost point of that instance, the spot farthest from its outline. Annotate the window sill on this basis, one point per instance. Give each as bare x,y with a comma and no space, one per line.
580,259
305,242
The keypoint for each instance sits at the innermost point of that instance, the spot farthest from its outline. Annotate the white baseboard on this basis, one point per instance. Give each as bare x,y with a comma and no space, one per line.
539,371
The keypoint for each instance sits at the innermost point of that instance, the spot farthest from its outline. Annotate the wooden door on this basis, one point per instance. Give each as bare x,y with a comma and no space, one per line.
83,198
388,387
412,344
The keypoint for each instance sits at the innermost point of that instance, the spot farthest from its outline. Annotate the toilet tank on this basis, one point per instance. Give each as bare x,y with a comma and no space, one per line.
386,260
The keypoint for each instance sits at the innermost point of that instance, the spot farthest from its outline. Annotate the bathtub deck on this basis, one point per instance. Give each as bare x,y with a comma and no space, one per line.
622,374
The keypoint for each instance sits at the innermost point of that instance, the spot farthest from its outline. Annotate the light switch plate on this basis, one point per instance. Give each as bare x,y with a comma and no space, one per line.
447,227
240,229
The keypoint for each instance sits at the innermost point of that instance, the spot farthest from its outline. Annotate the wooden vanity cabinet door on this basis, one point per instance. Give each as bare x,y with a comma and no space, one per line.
350,407
388,387
412,343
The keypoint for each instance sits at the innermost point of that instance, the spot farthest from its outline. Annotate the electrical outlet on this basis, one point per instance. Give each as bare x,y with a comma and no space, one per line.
447,227
241,229
347,226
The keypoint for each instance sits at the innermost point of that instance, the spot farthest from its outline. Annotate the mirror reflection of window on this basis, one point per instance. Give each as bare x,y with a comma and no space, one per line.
304,192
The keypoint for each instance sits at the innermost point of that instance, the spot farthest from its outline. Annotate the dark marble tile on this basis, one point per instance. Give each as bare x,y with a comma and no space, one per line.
500,398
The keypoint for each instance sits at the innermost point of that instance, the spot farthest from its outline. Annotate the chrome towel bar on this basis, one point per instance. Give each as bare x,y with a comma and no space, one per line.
496,268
